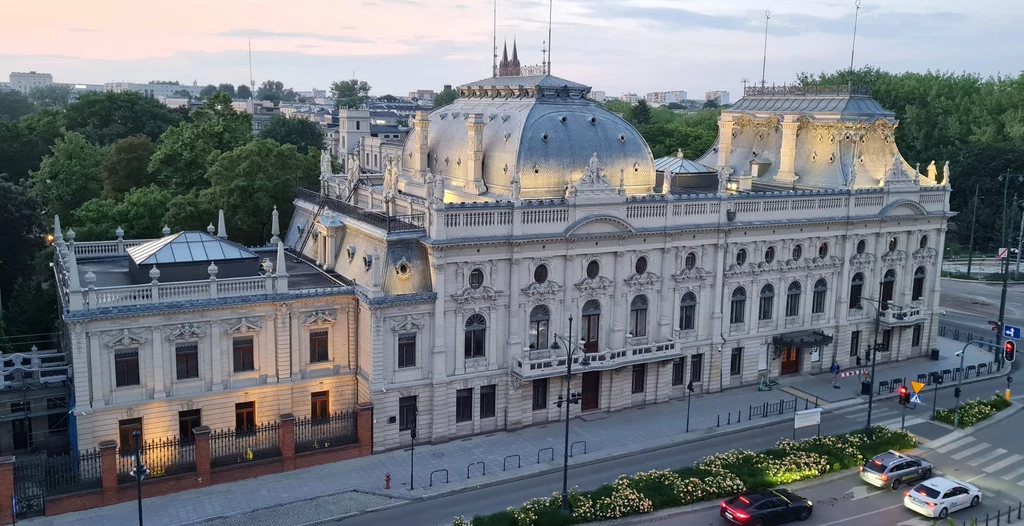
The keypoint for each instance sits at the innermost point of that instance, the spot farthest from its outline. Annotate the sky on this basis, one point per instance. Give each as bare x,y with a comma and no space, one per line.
402,45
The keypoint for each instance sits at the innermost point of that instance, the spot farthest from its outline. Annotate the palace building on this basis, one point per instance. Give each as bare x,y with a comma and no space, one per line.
521,227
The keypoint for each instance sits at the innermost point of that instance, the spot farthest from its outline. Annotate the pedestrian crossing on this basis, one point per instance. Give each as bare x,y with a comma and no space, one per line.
882,416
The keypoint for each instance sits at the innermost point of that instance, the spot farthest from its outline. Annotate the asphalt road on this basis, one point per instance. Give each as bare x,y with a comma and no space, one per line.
468,503
970,306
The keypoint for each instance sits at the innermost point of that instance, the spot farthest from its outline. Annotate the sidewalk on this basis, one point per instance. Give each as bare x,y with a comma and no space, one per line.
357,485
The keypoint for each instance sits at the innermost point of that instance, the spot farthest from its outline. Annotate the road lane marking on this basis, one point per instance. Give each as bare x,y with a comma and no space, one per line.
941,441
959,443
1014,474
986,457
916,522
862,515
1003,463
970,451
895,424
863,492
849,410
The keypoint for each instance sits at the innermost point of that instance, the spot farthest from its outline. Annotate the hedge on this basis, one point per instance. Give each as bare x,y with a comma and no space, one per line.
716,476
973,411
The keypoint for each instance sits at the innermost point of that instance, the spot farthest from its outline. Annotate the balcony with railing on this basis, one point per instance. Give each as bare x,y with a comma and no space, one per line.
548,363
390,223
34,368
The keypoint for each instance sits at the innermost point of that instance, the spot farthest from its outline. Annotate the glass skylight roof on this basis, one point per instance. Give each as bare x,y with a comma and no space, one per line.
187,247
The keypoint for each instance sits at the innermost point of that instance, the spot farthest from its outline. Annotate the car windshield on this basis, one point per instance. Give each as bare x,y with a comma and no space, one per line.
927,491
874,465
739,503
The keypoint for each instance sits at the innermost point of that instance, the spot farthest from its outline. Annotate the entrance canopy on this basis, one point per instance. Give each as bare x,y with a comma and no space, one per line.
802,339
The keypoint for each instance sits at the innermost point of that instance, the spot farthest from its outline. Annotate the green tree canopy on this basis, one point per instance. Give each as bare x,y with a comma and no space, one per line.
127,166
36,312
272,90
227,88
69,176
21,235
191,211
243,91
14,105
183,94
249,181
140,214
641,113
54,96
207,90
302,133
18,155
181,157
388,98
446,97
349,93
108,116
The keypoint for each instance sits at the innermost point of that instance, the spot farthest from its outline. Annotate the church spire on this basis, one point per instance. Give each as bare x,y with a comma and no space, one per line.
515,52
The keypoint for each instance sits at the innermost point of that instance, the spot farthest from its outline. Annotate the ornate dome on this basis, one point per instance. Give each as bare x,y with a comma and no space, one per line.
543,127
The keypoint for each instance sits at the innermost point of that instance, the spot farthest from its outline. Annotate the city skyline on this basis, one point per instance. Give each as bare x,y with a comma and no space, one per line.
402,45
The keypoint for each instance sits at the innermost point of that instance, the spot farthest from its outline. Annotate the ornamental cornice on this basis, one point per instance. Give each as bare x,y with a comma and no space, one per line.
637,282
862,261
599,283
243,325
125,337
691,274
408,323
320,317
483,292
184,332
925,255
541,291
894,258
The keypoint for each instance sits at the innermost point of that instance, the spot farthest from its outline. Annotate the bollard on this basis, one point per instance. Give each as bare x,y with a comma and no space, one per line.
729,420
739,416
719,424
1018,510
986,518
387,481
999,517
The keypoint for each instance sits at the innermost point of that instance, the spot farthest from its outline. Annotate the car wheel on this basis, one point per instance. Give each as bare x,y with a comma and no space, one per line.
895,484
975,501
804,514
943,512
927,474
759,522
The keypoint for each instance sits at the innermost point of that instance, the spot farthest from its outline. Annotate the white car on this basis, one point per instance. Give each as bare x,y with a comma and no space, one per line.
937,497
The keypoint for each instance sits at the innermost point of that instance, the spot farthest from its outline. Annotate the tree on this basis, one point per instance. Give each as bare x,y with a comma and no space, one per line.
108,116
127,166
21,235
349,93
243,92
711,104
183,94
14,105
191,211
69,176
36,312
18,155
302,133
227,88
388,98
272,90
446,97
249,181
140,214
675,106
641,113
207,90
182,155
54,96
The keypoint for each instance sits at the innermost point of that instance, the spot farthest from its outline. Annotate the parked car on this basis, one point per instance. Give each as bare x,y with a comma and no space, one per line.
893,468
765,507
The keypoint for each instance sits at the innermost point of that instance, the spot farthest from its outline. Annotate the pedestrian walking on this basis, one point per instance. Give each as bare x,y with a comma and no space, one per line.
835,375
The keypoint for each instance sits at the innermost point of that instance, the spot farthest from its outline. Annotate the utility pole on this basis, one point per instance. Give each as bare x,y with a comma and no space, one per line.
970,248
764,60
1020,242
1006,267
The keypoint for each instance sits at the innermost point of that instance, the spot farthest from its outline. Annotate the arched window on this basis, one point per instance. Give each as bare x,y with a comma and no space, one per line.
888,284
688,312
739,305
638,316
856,289
476,335
918,292
540,316
767,303
793,299
591,325
818,300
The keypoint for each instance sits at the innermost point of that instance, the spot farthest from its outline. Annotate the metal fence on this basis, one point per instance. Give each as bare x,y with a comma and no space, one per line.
163,457
229,446
771,408
967,336
36,477
335,430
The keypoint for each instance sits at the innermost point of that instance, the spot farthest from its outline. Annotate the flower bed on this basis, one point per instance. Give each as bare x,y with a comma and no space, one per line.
973,411
712,477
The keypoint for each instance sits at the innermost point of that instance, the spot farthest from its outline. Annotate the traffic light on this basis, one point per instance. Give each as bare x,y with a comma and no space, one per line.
904,395
1009,349
956,392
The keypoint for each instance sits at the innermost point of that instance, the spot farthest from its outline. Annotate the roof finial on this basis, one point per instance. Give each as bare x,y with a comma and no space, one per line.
222,230
275,227
494,61
551,8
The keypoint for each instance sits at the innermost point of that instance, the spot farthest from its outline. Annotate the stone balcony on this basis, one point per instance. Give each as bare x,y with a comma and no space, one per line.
548,363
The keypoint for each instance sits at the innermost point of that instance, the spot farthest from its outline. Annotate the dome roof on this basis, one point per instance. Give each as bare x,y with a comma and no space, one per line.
543,127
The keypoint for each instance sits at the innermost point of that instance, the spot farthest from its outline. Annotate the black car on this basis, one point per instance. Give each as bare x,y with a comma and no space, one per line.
761,507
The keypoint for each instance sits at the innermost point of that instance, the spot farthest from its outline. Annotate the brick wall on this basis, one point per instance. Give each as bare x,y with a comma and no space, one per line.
112,493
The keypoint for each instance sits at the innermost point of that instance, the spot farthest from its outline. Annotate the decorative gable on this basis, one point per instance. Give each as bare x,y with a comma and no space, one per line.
184,332
321,317
125,337
244,325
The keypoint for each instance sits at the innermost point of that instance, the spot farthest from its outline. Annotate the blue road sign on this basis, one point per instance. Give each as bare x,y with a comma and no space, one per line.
1009,331
916,399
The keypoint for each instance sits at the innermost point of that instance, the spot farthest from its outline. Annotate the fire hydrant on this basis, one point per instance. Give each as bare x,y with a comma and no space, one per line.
387,481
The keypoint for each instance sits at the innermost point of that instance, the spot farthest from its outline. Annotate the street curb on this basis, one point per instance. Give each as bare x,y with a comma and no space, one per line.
300,500
996,418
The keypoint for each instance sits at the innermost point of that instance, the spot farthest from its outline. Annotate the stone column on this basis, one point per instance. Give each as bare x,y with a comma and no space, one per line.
287,441
439,410
787,159
475,170
666,308
108,471
420,152
619,304
203,455
725,126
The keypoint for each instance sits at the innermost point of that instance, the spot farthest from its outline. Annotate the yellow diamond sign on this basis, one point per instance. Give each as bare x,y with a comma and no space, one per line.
917,386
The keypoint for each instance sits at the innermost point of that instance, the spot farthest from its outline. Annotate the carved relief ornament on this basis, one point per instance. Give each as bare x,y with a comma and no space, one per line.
321,317
637,282
541,291
243,325
862,261
408,323
483,292
184,332
925,255
599,283
691,274
125,337
894,259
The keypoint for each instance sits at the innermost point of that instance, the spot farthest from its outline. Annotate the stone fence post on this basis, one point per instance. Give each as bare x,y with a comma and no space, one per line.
6,487
108,471
203,455
287,442
364,429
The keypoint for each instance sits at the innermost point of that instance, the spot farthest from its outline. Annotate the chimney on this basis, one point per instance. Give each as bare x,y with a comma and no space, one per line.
475,173
420,151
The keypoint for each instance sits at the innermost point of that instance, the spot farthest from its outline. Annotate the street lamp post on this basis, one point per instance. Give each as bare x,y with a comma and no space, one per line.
412,446
569,399
874,353
140,470
1006,262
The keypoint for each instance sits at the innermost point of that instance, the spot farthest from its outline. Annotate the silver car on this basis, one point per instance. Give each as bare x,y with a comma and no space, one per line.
893,468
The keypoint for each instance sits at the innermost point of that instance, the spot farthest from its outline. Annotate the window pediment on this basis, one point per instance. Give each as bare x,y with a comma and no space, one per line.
861,261
691,274
894,258
599,283
320,317
637,282
483,292
243,325
184,332
125,337
925,255
541,291
409,323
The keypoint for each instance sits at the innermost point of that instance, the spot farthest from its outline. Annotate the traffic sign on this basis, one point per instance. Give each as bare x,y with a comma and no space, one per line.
1003,253
916,399
1009,331
917,386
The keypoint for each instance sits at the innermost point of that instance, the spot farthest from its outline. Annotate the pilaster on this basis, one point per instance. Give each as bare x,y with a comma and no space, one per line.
787,154
725,126
158,363
619,304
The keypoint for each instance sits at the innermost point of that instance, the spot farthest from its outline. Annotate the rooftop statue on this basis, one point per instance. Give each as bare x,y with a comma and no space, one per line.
933,172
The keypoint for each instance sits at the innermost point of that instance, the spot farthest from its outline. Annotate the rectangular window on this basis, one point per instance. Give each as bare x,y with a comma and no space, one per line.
854,343
245,416
886,340
320,404
406,413
186,356
187,422
639,377
696,367
487,402
916,340
126,367
242,349
687,313
126,430
464,405
765,307
540,394
318,346
407,349
736,312
736,361
679,372
818,301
